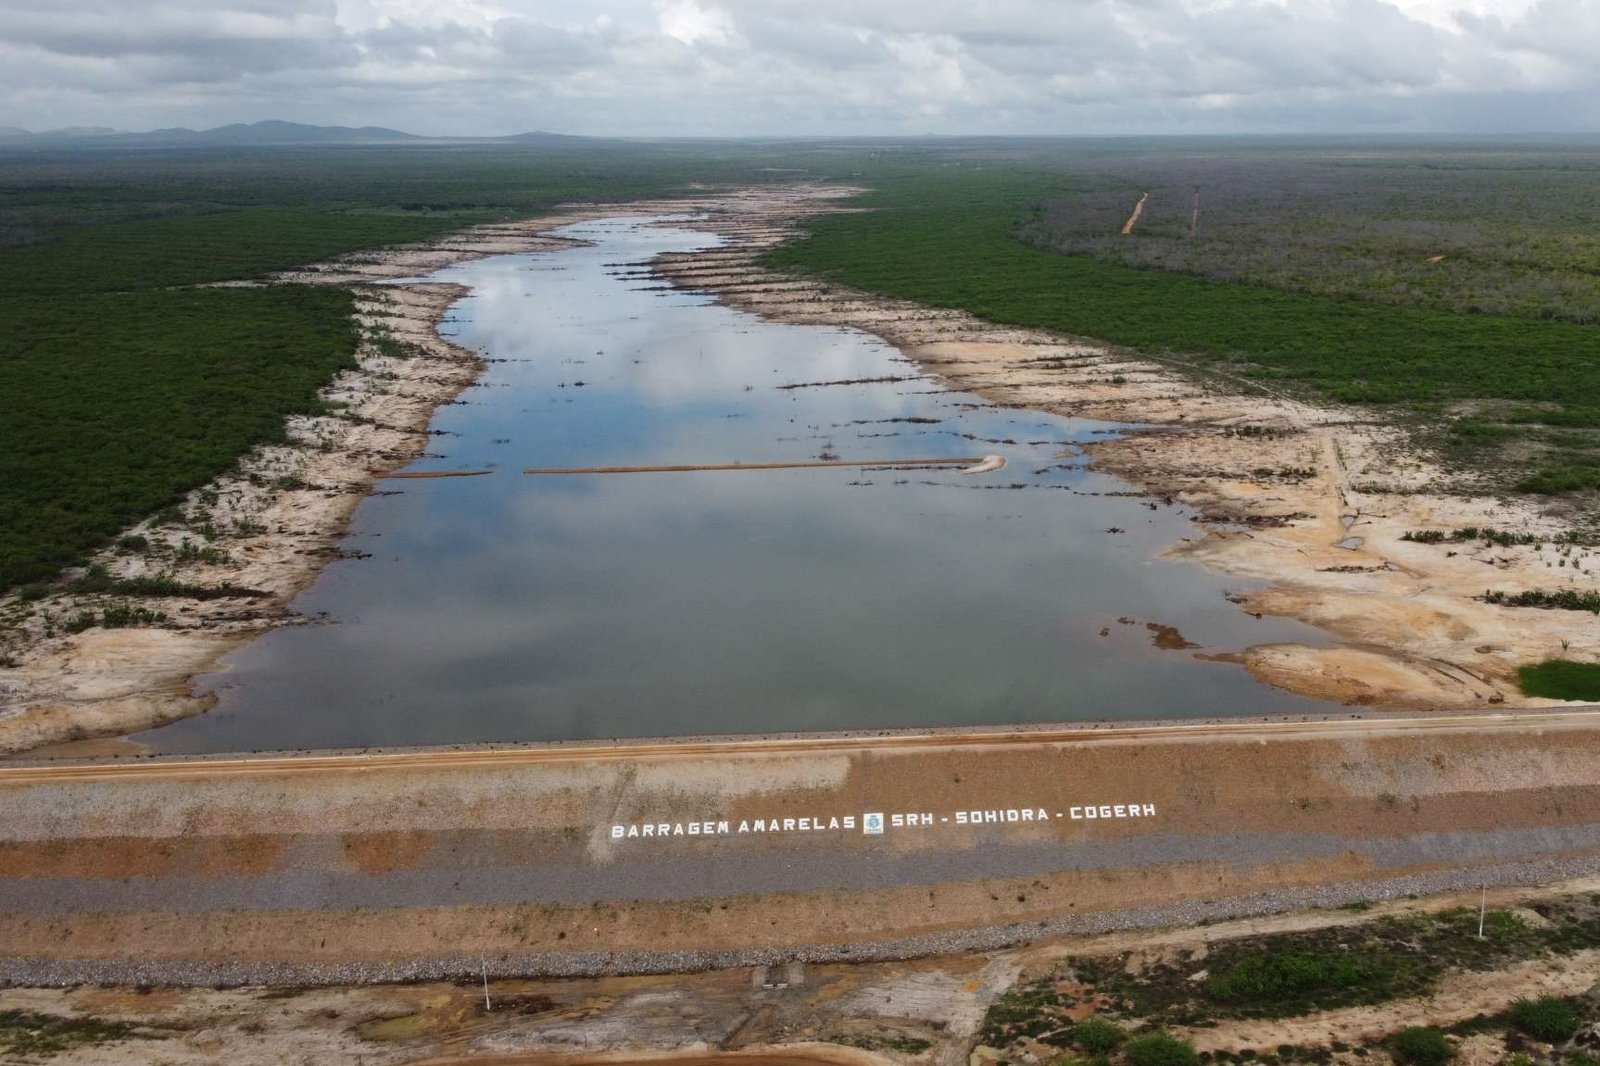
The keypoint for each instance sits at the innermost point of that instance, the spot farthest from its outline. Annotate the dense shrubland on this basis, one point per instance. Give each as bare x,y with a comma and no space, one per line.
126,384
1513,396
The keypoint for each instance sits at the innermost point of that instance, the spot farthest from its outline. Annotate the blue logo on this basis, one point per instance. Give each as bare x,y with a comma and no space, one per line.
872,823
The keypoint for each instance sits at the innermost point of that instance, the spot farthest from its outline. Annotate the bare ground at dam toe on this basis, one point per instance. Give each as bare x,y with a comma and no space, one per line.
946,1009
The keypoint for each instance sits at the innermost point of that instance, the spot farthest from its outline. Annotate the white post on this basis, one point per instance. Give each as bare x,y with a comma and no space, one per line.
486,1006
1483,899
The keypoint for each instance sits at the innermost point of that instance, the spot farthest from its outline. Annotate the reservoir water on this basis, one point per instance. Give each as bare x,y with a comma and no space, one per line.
516,608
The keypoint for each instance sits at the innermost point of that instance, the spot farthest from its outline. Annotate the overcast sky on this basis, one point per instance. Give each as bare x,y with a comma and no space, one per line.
702,67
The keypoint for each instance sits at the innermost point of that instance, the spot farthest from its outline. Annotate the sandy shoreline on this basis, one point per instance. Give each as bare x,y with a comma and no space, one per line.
279,516
1313,500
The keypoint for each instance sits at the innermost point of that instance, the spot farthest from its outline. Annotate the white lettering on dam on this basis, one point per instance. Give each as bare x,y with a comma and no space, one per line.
875,823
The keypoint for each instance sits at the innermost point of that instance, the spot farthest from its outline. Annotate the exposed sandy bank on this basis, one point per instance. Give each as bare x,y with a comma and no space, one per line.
279,517
1314,499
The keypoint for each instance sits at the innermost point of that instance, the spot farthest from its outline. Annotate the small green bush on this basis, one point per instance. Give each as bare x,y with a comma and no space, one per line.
43,1035
1421,1046
1561,679
1285,975
1548,1018
1554,600
1098,1035
1160,1048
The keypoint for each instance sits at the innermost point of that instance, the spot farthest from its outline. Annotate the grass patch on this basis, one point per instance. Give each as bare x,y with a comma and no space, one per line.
1421,1046
1098,1036
1561,679
947,241
96,580
1288,979
31,1033
1160,1049
1283,976
1556,600
1548,1018
1499,538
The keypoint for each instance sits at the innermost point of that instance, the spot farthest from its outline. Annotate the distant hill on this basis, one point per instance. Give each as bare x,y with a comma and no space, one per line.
274,131
543,137
268,132
66,133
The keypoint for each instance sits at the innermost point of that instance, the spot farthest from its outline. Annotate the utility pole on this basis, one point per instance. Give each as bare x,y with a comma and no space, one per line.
1483,900
486,1007
1194,216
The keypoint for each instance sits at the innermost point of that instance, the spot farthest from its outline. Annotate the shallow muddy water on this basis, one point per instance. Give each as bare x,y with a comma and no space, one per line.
512,607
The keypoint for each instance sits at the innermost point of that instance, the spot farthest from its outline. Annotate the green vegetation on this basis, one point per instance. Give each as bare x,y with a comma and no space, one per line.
1500,538
1517,393
1421,1046
122,402
1290,978
882,1041
127,387
1254,979
1505,229
31,1033
1557,599
1548,1018
1098,1035
197,248
1282,976
1561,679
1160,1048
97,580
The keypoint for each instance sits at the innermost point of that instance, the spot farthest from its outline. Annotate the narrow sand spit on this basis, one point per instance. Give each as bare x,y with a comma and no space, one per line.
281,514
1313,500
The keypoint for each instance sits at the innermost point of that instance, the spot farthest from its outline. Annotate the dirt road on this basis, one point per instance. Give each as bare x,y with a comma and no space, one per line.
201,767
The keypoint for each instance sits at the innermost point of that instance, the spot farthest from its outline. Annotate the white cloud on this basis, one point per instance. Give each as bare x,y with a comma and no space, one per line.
690,23
804,66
